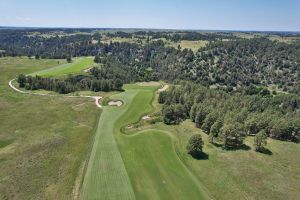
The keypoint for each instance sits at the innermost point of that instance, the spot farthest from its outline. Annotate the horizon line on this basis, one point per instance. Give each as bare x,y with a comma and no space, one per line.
137,28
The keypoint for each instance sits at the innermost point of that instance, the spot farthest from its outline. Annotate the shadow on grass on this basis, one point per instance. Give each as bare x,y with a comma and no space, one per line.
266,151
217,145
234,148
200,156
242,147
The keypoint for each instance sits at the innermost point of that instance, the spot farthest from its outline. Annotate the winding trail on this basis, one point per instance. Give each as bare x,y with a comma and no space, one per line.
96,98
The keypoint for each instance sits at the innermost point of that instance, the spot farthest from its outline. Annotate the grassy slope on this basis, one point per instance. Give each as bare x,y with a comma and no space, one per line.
149,158
45,139
240,174
28,144
78,65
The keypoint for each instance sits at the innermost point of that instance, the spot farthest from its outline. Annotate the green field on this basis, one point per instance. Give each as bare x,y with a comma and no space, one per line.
77,66
158,166
43,140
139,166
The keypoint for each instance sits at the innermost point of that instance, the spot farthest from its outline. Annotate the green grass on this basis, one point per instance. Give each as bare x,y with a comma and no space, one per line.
241,174
44,142
106,176
140,166
46,139
4,143
77,66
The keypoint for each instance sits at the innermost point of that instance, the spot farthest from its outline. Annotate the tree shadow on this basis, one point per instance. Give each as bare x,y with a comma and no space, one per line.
241,147
200,156
266,151
233,148
217,144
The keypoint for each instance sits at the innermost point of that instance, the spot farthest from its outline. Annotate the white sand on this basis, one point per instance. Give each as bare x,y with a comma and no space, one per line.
115,103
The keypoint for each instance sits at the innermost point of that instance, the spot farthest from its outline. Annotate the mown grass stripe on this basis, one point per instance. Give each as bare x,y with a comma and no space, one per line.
78,65
106,176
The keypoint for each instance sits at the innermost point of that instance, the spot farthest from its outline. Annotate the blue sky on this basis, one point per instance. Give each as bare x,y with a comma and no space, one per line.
281,15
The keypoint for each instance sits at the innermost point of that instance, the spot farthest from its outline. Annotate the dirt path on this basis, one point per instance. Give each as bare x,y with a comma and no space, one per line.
96,98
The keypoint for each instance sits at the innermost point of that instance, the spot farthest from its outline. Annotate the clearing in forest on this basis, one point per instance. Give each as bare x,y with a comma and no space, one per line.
76,66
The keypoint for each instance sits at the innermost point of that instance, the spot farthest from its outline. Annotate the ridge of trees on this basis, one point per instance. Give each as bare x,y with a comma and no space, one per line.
229,117
232,64
99,80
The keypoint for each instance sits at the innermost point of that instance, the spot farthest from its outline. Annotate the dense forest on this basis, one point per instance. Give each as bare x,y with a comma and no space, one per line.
223,87
228,117
227,61
100,80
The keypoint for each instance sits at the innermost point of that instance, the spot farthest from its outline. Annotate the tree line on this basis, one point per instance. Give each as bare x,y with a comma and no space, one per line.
70,83
231,64
229,117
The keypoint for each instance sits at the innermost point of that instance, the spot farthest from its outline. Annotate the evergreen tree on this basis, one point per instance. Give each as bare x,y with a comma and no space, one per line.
215,129
21,80
195,145
260,140
97,59
232,135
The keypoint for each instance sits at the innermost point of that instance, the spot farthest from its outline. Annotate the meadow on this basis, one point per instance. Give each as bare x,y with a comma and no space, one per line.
43,140
78,65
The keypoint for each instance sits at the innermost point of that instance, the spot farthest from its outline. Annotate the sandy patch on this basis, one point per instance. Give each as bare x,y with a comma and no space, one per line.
151,83
115,103
164,88
88,70
146,117
130,126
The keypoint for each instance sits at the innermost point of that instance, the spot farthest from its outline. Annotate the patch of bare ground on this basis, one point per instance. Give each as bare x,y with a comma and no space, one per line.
87,70
151,83
164,88
146,117
130,126
115,103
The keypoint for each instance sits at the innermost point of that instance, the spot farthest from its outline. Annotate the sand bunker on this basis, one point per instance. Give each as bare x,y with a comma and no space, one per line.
115,103
164,88
88,70
130,126
151,83
147,117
